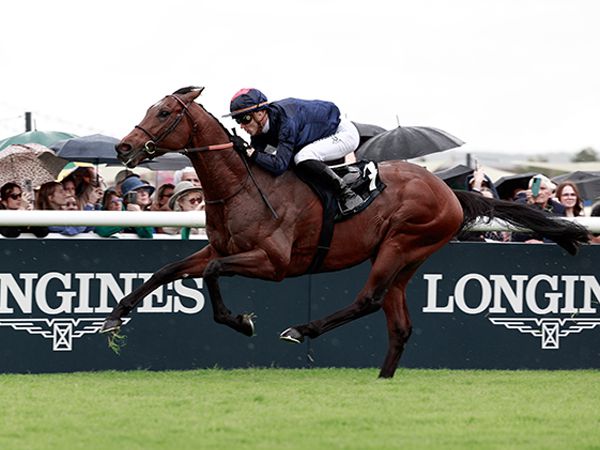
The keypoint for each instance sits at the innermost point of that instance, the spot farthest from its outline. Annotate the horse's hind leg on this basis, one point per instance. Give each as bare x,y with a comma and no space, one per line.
386,267
398,323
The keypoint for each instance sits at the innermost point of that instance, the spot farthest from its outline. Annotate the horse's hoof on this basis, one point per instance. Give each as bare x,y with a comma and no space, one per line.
291,335
248,324
111,325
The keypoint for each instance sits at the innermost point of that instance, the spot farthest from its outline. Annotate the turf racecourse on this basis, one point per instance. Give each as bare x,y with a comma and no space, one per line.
301,409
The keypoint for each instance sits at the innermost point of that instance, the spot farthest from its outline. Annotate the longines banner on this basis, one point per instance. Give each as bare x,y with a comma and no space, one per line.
472,305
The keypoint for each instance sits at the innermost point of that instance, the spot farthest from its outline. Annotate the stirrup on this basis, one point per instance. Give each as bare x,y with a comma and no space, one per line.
349,202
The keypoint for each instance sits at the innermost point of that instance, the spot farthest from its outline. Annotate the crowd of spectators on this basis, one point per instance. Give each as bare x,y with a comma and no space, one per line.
563,200
84,189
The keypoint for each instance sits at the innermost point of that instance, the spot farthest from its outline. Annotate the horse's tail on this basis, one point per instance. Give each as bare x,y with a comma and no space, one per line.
569,235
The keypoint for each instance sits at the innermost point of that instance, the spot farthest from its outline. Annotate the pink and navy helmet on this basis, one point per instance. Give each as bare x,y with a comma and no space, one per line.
247,100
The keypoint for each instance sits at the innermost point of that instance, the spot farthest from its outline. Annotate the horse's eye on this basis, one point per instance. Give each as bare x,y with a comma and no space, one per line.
164,113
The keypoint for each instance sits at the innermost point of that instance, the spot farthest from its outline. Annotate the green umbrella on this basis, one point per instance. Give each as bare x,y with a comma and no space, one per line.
46,138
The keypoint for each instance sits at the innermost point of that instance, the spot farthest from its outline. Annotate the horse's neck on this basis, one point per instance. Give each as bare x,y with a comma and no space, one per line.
221,172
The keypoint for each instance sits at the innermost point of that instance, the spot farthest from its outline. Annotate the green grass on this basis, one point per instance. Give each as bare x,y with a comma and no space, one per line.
301,409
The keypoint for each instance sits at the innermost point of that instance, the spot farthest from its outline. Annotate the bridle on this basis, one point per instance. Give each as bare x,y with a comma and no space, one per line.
151,147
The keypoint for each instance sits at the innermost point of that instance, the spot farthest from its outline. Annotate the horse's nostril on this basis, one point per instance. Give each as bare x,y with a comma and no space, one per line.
123,147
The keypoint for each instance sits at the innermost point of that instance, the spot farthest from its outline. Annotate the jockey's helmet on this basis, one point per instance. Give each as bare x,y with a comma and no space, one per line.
247,100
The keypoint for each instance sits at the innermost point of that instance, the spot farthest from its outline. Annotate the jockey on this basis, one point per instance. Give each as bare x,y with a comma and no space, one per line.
307,132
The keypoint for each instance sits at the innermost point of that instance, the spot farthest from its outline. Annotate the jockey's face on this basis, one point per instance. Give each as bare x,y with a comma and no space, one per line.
255,126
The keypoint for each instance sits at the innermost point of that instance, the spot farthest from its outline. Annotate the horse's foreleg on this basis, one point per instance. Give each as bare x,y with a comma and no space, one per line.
191,267
256,264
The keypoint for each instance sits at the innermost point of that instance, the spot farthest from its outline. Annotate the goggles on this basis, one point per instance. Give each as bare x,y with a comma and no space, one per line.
243,119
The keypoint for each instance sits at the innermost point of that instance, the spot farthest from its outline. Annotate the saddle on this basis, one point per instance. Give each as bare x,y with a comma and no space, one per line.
363,178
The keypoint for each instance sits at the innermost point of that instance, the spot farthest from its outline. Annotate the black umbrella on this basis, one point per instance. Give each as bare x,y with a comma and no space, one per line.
588,183
407,143
100,149
455,177
96,148
506,186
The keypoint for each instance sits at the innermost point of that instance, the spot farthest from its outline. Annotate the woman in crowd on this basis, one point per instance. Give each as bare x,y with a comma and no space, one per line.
11,198
52,196
111,201
186,197
568,195
162,196
136,197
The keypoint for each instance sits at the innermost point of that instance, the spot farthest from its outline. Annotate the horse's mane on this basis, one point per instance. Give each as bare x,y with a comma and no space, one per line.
232,136
187,90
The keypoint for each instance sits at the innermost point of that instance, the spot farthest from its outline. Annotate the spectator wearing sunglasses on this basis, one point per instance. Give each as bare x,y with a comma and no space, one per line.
11,198
186,197
307,133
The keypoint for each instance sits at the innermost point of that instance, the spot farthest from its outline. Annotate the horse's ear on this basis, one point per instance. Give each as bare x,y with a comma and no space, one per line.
194,90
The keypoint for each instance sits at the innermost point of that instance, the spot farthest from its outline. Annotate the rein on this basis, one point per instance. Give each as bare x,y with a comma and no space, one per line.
208,148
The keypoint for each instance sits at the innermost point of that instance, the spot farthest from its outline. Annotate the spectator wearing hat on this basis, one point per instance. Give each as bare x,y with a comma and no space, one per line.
186,197
136,195
296,131
122,176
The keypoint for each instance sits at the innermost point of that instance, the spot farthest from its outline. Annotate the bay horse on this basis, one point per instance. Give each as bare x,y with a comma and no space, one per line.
414,216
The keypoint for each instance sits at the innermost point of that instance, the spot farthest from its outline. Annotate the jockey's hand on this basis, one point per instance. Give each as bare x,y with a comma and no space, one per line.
239,143
250,151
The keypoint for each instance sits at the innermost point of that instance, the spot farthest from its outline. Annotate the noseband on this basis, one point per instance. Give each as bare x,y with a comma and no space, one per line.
151,146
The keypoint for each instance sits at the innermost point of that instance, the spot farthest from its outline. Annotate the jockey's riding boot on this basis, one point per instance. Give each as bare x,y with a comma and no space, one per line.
347,198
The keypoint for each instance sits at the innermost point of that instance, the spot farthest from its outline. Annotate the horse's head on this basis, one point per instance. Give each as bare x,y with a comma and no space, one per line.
168,126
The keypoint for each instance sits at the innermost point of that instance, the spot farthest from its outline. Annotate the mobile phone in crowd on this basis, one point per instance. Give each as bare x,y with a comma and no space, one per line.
131,198
535,186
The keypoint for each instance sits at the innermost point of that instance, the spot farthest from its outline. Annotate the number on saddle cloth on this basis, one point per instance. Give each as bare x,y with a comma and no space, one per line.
363,178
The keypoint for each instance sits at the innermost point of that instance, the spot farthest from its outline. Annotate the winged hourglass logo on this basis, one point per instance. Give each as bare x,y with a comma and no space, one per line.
549,330
62,331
